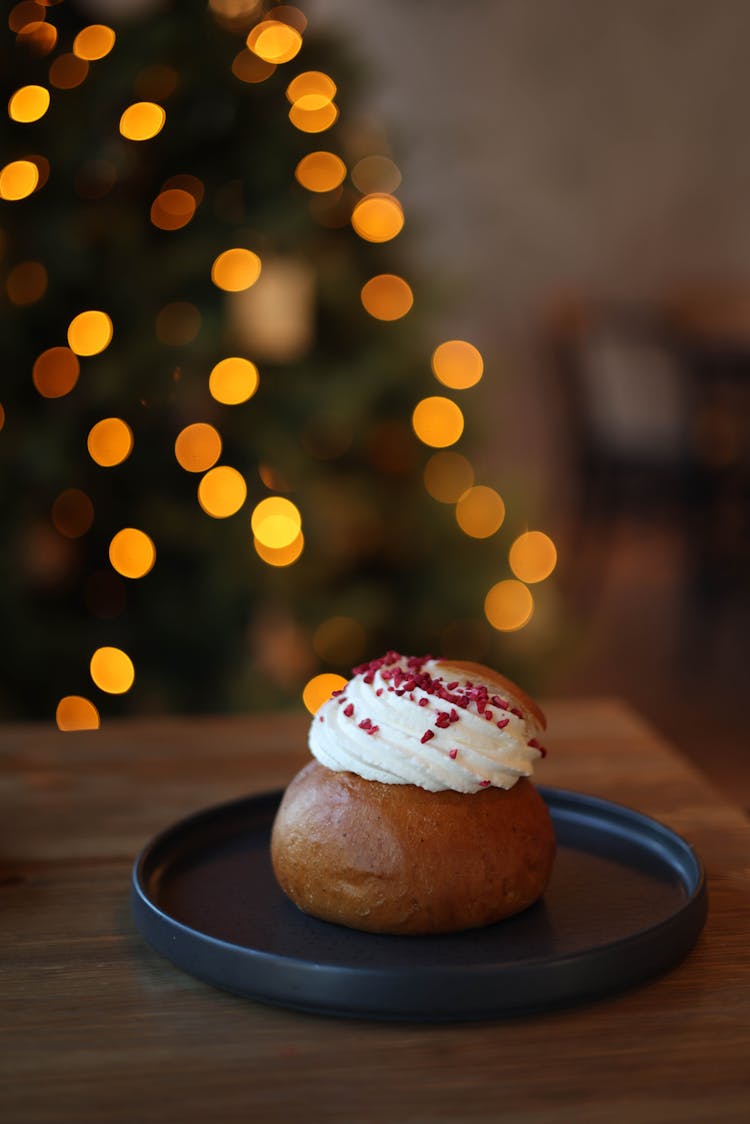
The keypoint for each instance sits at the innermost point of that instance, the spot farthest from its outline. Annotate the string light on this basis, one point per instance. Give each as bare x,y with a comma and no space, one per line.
72,513
94,42
248,67
21,15
142,121
320,171
280,556
276,522
172,209
76,713
378,217
197,447
233,381
533,556
508,606
90,332
438,422
320,688
37,38
274,41
313,119
68,71
480,512
387,297
235,270
222,492
376,174
112,670
132,553
26,283
56,372
29,103
447,476
314,84
457,364
18,179
110,442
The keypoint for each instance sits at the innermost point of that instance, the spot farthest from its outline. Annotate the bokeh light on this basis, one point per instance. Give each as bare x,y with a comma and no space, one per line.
320,171
142,120
29,103
186,182
447,476
172,209
76,713
38,38
235,270
112,670
508,606
72,513
56,372
276,522
68,71
274,41
178,323
320,688
533,556
90,332
387,297
378,217
312,84
21,15
457,364
313,120
94,42
280,556
197,447
18,179
248,67
222,492
26,283
340,640
132,553
437,422
375,174
110,442
233,380
480,512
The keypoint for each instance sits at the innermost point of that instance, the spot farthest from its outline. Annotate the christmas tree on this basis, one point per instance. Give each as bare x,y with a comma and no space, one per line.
227,465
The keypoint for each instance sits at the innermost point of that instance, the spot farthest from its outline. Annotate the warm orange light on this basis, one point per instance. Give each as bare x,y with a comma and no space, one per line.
172,209
313,118
457,364
112,670
27,283
233,380
197,447
18,179
76,713
387,297
508,606
235,270
480,512
110,442
312,83
142,121
222,492
132,553
275,41
320,688
90,332
185,182
56,372
276,522
281,556
447,476
378,217
29,103
178,323
437,422
68,71
94,42
533,556
21,15
72,513
37,38
249,68
320,171
375,173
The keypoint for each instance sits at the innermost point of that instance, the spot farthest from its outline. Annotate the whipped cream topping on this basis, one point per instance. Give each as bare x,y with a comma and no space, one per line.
409,720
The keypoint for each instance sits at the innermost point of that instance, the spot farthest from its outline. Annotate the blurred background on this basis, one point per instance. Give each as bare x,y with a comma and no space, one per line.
337,327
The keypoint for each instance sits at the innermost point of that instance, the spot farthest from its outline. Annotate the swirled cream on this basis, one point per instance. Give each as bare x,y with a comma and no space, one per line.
409,720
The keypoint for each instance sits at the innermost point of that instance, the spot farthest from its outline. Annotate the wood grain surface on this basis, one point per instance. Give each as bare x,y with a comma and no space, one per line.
97,1028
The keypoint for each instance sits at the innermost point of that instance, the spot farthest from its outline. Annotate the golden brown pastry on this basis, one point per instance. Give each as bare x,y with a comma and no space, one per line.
418,815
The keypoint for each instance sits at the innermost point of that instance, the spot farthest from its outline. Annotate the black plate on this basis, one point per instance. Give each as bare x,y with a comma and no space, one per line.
627,900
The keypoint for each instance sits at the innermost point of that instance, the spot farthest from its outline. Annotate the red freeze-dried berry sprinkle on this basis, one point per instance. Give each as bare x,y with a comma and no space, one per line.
483,784
379,692
349,710
453,714
427,735
518,713
489,715
335,694
503,723
365,724
424,702
453,753
443,720
502,703
451,686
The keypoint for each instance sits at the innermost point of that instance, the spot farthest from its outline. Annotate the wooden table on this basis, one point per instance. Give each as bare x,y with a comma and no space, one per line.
97,1028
